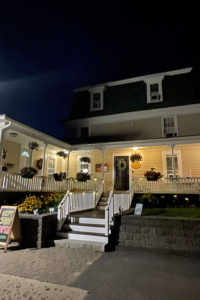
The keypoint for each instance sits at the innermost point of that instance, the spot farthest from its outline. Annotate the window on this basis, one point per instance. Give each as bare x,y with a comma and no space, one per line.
51,165
84,166
169,169
169,126
167,163
154,89
96,98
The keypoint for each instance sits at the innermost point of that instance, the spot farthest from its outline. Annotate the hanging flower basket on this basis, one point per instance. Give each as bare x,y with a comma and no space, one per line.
135,158
152,175
28,172
85,159
62,153
33,145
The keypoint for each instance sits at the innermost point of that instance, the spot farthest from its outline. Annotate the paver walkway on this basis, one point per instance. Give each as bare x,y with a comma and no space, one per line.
126,274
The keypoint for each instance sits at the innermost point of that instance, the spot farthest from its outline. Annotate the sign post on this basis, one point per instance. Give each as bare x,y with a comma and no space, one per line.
9,225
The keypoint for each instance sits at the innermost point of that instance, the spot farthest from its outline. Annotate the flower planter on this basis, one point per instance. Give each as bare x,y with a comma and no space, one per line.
30,176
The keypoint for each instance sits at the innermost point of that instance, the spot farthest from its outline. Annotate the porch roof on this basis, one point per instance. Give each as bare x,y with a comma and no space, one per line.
138,143
26,131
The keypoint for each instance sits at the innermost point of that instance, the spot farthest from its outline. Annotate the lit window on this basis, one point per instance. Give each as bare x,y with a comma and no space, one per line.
25,153
84,167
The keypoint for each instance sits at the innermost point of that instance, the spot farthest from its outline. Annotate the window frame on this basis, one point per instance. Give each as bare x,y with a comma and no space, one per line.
179,160
79,164
149,83
100,91
175,133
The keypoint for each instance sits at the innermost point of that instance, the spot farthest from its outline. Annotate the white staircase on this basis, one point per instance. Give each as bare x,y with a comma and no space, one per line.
102,203
83,230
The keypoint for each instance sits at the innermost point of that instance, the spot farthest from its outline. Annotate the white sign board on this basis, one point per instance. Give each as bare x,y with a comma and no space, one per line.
138,209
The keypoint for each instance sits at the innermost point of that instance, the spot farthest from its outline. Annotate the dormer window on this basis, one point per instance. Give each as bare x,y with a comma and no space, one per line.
154,90
96,98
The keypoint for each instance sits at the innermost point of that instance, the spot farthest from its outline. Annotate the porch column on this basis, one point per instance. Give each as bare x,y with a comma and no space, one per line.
173,164
102,170
174,171
3,126
44,155
68,165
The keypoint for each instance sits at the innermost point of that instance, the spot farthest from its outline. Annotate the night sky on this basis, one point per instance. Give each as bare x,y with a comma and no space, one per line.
47,48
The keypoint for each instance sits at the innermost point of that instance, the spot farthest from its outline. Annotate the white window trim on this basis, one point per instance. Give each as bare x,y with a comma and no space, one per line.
154,80
175,124
178,153
94,91
53,157
79,164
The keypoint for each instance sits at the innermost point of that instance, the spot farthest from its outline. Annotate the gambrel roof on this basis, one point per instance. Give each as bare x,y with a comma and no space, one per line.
129,95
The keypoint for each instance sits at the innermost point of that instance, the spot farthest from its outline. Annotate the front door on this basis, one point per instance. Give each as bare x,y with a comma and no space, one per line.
121,173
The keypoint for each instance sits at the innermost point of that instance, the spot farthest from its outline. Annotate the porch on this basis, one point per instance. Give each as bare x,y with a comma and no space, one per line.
179,185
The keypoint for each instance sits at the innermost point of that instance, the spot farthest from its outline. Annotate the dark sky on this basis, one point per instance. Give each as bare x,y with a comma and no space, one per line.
47,48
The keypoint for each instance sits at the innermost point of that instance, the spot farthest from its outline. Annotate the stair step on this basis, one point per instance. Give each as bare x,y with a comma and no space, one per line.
84,227
101,207
104,199
84,236
78,244
102,203
81,220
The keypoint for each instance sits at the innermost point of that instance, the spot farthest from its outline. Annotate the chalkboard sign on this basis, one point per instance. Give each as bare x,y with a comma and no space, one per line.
9,225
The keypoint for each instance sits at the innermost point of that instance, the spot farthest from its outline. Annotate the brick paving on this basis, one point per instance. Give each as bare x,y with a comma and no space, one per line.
54,265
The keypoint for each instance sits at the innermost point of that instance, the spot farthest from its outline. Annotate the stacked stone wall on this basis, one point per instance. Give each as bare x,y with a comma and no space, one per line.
164,233
38,231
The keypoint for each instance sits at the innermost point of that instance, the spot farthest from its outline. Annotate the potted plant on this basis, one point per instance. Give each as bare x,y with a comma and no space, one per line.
62,153
59,176
135,158
152,175
33,145
83,176
28,172
85,159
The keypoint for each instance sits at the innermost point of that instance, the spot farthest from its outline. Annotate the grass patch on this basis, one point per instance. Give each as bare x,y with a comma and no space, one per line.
172,212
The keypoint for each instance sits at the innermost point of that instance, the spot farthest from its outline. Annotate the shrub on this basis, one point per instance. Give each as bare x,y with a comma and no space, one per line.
149,200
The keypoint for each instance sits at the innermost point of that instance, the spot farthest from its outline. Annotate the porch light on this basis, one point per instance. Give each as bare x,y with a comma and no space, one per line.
162,196
187,199
135,148
175,196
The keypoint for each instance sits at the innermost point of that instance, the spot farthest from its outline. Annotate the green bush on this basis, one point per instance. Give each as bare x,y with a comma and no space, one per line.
149,200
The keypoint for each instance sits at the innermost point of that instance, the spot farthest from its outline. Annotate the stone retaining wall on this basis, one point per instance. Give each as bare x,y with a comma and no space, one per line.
165,233
38,231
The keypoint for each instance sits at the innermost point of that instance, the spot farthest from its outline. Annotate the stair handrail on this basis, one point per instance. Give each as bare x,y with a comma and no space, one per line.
109,213
63,211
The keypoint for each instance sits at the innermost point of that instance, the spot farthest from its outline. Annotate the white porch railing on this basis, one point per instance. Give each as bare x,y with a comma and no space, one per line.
168,185
15,182
77,201
117,202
